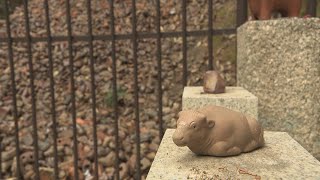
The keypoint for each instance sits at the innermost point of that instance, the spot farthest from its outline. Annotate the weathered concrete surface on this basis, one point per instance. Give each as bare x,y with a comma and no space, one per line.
279,62
235,98
282,157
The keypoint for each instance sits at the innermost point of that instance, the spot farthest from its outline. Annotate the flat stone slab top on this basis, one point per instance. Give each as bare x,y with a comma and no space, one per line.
235,98
281,158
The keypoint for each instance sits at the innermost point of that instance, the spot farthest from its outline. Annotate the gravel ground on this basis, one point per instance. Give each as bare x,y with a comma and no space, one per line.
147,78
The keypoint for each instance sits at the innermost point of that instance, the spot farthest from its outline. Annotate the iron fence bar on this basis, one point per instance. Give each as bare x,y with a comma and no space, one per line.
242,17
13,90
73,103
0,157
33,98
141,35
242,12
93,91
136,88
114,86
312,7
52,94
210,40
160,113
184,43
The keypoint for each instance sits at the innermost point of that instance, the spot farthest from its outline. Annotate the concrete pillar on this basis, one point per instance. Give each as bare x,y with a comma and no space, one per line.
279,62
235,98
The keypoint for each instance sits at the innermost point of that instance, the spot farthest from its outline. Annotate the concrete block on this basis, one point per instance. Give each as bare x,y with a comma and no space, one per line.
281,158
279,62
235,98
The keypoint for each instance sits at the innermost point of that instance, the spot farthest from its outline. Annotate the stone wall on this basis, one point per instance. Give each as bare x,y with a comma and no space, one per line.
279,62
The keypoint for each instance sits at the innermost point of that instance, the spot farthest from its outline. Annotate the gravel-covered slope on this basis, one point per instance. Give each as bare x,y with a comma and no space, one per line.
147,77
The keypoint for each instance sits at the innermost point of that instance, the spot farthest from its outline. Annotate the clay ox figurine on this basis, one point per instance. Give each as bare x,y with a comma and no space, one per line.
217,131
263,9
213,83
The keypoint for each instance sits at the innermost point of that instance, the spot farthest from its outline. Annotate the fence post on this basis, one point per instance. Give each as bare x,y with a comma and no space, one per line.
312,8
0,158
242,12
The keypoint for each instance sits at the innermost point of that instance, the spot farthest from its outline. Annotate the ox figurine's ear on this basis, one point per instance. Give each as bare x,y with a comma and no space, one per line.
211,123
202,116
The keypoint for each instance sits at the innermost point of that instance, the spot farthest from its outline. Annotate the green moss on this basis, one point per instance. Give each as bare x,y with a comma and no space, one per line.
225,15
217,40
224,48
12,5
108,100
230,53
304,8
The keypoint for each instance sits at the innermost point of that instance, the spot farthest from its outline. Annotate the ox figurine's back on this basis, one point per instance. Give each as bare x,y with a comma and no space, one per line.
217,131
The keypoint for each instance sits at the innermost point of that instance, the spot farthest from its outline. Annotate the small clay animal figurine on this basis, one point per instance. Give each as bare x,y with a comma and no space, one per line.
213,83
217,131
263,9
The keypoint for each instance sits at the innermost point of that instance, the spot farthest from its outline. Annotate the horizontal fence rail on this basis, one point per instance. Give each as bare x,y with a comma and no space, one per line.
141,35
113,37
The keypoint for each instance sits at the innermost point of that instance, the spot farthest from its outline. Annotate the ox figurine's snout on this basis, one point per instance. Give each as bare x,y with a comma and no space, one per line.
218,131
178,139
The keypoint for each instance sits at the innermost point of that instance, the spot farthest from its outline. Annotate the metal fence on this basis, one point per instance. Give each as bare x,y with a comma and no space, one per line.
113,37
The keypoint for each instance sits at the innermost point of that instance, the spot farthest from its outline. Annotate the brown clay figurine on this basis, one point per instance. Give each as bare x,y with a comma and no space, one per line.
213,83
217,131
263,9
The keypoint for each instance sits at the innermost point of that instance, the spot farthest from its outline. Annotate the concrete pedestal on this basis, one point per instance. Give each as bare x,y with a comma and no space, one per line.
235,98
279,62
281,158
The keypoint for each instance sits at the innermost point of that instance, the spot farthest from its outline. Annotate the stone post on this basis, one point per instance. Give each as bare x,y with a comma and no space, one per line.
235,98
279,62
